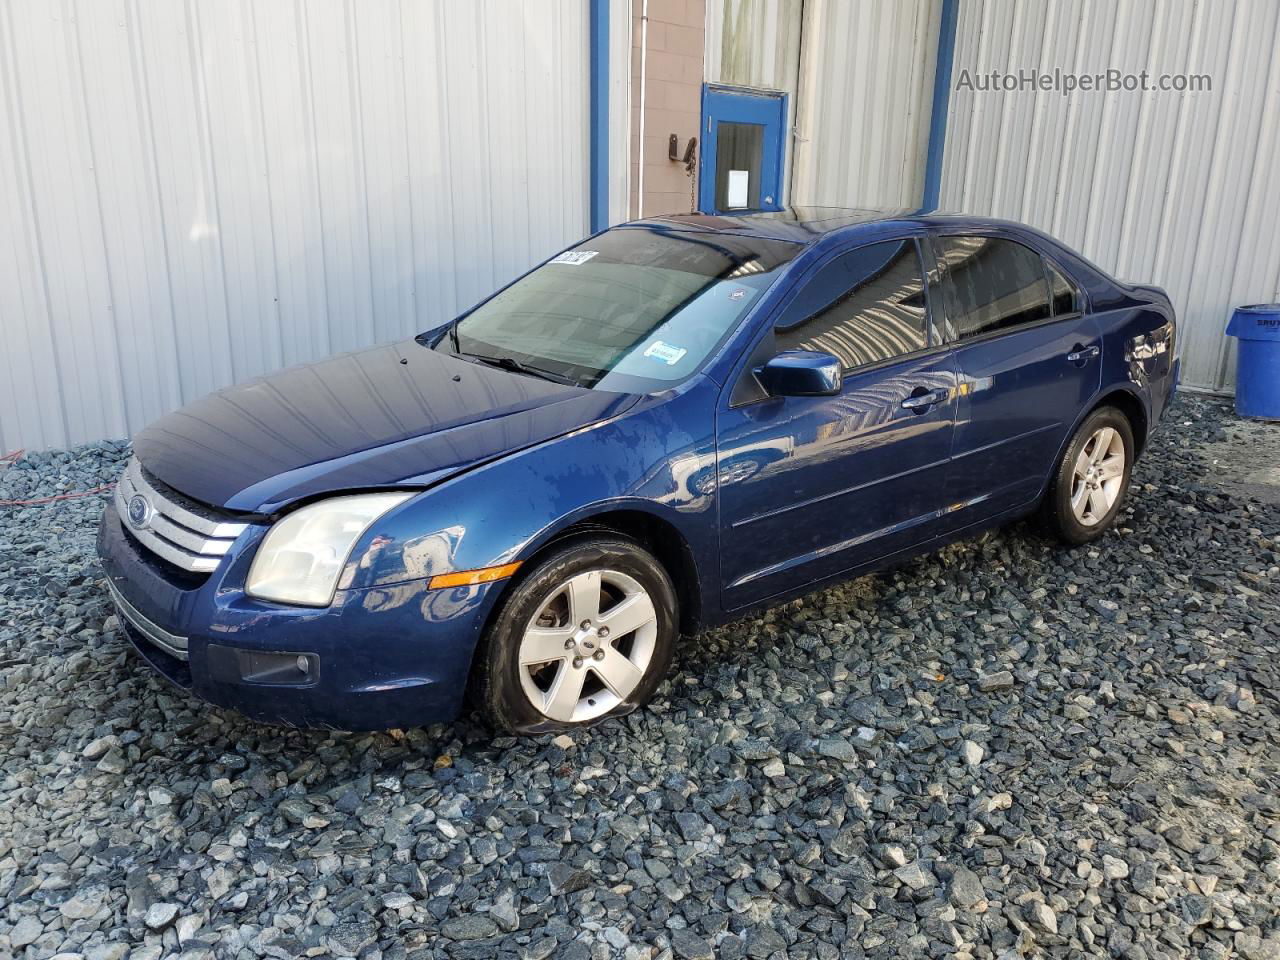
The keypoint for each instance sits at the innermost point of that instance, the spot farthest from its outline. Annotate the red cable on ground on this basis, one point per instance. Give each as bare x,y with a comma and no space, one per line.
62,496
15,456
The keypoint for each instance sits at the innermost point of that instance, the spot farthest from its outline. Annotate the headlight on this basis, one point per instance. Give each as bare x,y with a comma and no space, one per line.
302,556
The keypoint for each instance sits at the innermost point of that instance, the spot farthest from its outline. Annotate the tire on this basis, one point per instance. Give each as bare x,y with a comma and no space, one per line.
613,650
1090,482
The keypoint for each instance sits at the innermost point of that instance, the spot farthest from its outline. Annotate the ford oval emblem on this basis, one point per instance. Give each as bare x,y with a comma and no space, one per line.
139,511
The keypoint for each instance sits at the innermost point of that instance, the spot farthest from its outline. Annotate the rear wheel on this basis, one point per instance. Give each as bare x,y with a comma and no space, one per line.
587,634
1091,479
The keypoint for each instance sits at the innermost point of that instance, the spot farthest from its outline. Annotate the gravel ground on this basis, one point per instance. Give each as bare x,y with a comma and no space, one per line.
1005,749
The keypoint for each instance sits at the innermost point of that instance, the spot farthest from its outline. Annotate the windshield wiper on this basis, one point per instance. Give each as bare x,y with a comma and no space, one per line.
516,366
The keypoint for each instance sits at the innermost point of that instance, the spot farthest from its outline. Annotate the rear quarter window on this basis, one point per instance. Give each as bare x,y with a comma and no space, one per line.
1065,295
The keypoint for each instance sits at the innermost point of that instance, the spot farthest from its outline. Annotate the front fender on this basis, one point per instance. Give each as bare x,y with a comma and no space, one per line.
658,458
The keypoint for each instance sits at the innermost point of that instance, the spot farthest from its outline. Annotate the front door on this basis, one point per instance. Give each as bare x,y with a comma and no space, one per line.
810,487
742,150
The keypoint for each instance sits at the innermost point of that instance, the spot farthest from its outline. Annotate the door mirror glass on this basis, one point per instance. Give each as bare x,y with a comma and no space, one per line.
801,373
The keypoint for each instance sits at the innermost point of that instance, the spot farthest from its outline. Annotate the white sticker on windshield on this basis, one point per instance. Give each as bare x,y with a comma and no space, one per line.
574,258
665,352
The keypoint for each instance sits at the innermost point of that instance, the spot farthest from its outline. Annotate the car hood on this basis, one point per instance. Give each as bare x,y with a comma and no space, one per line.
396,415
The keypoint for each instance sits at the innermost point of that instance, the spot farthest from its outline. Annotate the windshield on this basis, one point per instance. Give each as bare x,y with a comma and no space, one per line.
632,310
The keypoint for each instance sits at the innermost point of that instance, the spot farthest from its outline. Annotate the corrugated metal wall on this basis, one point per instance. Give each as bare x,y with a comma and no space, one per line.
754,43
862,118
1179,189
192,193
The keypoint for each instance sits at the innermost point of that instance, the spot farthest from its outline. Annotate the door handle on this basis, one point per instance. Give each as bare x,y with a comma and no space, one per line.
1083,354
919,403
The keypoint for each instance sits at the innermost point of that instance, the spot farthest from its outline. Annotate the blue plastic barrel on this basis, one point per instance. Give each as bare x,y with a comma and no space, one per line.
1257,327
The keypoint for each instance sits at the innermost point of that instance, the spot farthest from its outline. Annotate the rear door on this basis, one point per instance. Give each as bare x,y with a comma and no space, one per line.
813,486
1028,356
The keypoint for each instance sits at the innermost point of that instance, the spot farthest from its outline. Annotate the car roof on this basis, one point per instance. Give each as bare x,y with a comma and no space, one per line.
808,224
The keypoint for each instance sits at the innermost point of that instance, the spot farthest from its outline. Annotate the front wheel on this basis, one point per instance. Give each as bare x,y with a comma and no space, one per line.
1091,479
586,634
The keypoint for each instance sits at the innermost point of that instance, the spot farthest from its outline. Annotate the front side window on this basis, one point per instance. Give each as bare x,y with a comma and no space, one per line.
864,307
632,310
992,285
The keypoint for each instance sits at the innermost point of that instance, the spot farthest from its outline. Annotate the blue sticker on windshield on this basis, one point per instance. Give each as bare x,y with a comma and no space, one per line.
665,352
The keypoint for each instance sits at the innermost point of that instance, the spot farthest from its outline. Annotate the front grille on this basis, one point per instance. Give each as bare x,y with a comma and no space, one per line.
187,535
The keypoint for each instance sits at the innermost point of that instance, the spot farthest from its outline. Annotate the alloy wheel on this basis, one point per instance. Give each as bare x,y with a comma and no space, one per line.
588,647
1097,476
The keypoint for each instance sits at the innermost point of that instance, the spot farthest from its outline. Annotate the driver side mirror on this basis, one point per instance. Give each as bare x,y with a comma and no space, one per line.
801,373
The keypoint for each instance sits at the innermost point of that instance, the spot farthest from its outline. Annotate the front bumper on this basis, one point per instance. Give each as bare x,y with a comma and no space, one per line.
377,658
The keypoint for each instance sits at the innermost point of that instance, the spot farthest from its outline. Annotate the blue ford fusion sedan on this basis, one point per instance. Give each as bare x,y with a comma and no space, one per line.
663,426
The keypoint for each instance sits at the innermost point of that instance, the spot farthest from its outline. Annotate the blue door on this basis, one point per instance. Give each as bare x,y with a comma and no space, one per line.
742,150
811,487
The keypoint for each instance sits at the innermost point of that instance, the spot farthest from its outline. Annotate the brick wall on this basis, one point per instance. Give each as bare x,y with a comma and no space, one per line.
673,94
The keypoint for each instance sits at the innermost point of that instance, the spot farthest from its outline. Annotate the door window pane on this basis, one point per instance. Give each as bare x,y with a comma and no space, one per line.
994,285
864,307
1063,292
739,164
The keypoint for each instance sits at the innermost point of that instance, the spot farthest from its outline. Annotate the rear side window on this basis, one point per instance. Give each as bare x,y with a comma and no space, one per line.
994,285
1065,298
864,307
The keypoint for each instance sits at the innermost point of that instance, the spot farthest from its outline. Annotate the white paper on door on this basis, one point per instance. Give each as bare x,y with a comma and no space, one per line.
739,182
